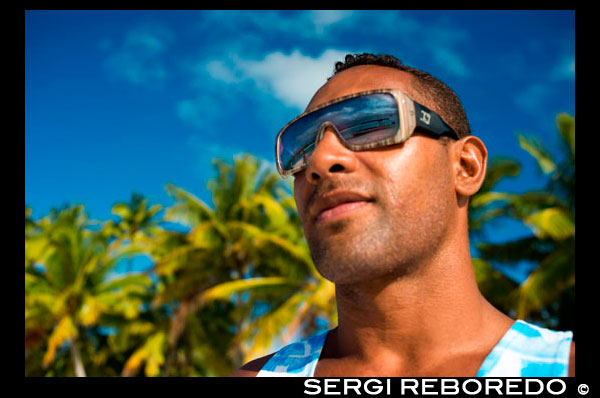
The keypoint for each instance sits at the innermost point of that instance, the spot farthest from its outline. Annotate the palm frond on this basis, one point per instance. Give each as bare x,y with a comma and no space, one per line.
554,274
266,329
535,148
64,330
522,249
188,209
496,287
225,290
498,169
151,353
557,223
566,128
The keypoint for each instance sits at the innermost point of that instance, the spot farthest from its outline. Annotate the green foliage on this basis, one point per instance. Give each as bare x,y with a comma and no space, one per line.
248,247
68,292
547,294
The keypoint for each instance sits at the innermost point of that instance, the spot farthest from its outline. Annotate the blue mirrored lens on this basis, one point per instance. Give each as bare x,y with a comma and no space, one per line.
361,120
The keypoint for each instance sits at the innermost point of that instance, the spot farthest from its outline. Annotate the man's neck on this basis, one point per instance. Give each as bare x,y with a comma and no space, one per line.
417,320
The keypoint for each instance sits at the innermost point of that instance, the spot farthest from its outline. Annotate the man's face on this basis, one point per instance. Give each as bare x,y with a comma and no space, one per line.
374,213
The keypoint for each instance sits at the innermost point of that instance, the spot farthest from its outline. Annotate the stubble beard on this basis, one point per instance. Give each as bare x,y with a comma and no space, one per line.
352,253
385,245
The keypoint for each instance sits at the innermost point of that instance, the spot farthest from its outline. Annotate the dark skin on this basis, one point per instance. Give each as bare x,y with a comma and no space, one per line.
397,249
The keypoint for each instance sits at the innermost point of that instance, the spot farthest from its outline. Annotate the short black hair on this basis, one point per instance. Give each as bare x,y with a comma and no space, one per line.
450,107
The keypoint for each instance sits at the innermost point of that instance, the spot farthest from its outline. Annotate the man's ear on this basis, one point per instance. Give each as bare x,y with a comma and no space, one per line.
470,163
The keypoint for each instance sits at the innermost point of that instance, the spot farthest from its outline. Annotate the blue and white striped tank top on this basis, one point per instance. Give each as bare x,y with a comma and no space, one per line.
526,350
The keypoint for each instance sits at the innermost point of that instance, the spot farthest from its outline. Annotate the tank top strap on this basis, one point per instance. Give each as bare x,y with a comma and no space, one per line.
296,359
527,350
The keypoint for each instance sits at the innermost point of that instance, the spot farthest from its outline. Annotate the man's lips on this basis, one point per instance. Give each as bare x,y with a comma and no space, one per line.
337,211
334,204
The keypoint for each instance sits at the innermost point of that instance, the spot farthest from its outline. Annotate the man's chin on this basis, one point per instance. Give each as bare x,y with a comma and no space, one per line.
351,277
332,228
343,266
363,261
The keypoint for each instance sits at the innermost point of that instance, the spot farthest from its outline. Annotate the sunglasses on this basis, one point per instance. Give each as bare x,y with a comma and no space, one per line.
364,120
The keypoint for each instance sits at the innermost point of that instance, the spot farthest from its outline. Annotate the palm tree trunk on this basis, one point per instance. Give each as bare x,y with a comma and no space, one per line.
77,363
170,360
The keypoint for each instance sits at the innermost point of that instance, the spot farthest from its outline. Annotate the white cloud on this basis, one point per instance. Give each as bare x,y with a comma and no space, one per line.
451,61
323,19
139,58
211,102
188,111
565,70
218,70
301,24
249,66
292,78
442,43
282,83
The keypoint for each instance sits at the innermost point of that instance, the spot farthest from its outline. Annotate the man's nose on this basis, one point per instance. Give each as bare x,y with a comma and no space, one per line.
330,156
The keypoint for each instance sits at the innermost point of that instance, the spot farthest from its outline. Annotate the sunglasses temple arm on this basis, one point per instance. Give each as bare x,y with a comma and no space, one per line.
430,122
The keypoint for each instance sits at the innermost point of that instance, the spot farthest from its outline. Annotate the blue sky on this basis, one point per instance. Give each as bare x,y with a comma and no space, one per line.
127,101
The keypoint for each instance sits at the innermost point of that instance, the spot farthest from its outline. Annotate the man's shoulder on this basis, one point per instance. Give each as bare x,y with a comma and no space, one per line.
302,353
252,368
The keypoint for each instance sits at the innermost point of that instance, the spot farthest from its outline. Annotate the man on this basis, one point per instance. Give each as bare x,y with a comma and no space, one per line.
382,184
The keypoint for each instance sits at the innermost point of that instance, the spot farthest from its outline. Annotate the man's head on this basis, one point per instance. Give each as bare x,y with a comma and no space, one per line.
427,89
374,213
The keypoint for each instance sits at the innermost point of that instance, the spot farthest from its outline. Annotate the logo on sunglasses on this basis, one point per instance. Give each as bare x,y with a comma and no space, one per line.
425,117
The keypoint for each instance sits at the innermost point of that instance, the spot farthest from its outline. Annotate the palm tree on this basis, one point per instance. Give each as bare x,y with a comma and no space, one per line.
549,290
136,223
494,285
136,219
245,259
67,292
